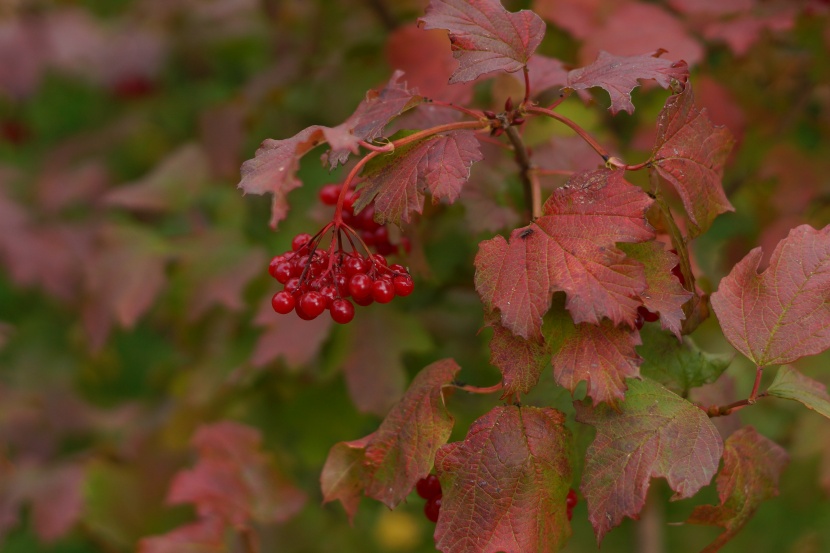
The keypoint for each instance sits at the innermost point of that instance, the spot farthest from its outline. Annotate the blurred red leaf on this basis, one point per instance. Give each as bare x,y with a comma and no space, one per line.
386,464
505,484
690,154
484,36
782,314
711,7
581,18
653,433
619,75
544,73
205,536
752,465
570,248
439,164
288,338
742,32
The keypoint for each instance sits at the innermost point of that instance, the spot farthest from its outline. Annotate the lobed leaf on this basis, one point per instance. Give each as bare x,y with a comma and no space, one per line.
752,465
570,248
653,433
439,165
505,485
782,314
619,75
664,293
274,166
386,464
690,153
679,365
520,361
791,384
484,36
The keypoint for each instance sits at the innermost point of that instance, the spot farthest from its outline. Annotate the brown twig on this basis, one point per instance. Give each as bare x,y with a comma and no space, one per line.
530,182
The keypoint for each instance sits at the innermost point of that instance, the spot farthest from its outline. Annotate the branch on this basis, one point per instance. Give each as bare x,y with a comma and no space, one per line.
725,410
530,181
576,128
475,389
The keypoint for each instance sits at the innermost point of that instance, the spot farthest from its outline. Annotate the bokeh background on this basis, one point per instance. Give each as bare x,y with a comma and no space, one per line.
133,274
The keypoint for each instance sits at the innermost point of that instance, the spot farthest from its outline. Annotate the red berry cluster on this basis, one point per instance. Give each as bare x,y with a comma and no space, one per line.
372,233
570,503
315,281
430,489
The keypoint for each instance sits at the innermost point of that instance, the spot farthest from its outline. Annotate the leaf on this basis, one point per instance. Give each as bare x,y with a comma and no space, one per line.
544,73
602,355
619,75
520,361
377,341
653,433
752,465
678,364
286,339
570,248
204,536
782,314
386,464
274,166
690,153
484,36
791,384
663,294
505,485
233,480
439,165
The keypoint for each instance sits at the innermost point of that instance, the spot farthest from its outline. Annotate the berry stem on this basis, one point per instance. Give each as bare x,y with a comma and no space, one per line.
576,128
462,109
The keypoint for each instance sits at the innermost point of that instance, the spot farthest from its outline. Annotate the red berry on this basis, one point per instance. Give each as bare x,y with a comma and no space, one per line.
299,241
330,293
342,311
571,500
381,235
379,259
312,304
351,198
648,316
360,287
283,272
342,283
398,268
329,194
283,302
403,285
355,265
432,508
385,248
367,219
293,285
368,237
428,487
639,321
383,291
368,300
570,513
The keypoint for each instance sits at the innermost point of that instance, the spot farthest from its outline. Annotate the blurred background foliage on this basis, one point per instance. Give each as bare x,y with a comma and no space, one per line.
133,283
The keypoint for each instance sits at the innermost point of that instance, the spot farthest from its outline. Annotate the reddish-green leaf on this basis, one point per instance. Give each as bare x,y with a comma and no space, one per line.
386,464
782,314
752,465
791,384
690,153
484,36
570,248
602,355
505,484
204,536
439,165
664,294
653,433
619,75
520,361
274,167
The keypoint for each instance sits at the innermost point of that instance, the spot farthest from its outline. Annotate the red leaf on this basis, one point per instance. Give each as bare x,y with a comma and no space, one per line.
386,464
505,485
58,501
664,293
274,167
520,361
782,314
286,339
619,75
653,433
439,164
602,355
711,7
204,536
484,36
544,73
233,480
690,154
571,248
752,465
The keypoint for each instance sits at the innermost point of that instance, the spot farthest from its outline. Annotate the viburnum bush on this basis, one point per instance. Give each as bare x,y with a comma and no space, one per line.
596,285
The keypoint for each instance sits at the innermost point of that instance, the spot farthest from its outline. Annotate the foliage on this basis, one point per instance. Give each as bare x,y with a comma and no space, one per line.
151,400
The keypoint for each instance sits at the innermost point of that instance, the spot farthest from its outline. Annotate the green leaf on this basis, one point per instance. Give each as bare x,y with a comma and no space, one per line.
791,384
678,365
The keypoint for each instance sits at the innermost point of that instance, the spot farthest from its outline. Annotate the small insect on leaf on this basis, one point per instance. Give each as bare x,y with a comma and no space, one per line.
526,232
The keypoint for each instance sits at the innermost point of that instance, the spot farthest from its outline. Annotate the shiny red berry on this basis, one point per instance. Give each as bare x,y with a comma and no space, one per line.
433,508
283,272
571,500
383,291
312,304
639,321
398,268
403,285
355,265
428,487
329,194
283,302
299,241
360,287
342,311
